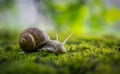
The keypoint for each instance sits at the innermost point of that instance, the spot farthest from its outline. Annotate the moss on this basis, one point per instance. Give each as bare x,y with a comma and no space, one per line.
86,55
29,68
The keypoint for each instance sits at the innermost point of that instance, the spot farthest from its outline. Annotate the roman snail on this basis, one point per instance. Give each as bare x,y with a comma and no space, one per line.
33,39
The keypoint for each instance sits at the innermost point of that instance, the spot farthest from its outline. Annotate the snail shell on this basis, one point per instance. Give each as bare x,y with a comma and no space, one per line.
31,39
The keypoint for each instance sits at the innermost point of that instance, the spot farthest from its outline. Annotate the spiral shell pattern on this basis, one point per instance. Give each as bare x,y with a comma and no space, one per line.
31,38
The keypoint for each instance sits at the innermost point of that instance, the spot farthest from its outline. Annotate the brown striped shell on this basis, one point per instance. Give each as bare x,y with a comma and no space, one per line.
31,39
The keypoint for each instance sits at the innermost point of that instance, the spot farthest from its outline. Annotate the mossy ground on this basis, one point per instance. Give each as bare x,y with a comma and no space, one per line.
84,55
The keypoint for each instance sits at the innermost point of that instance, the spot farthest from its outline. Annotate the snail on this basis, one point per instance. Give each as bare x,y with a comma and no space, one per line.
33,39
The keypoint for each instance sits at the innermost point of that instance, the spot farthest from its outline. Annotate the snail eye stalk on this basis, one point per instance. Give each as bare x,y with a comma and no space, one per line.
57,37
66,39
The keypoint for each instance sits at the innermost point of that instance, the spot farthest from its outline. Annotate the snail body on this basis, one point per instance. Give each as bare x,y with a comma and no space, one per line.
33,39
54,46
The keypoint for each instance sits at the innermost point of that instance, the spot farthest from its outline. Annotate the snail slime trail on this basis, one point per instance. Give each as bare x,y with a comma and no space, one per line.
33,39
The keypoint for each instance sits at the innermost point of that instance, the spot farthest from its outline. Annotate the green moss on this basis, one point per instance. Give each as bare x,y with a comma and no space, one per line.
85,55
28,67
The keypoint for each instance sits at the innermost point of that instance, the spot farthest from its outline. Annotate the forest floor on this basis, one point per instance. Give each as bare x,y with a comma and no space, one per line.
100,55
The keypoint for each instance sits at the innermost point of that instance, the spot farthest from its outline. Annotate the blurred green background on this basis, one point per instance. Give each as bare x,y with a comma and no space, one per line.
94,47
80,17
